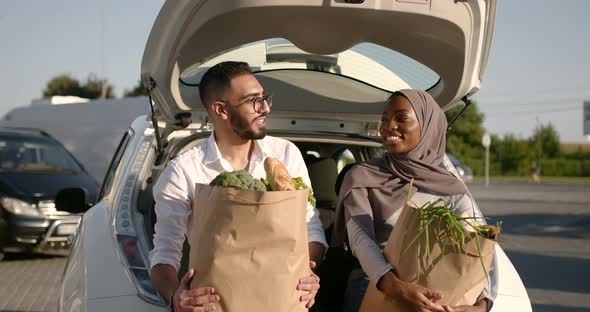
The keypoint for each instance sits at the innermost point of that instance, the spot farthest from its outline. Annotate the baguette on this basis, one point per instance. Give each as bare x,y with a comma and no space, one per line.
277,175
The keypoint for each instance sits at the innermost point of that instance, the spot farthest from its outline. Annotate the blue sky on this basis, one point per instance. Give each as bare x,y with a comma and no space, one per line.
539,68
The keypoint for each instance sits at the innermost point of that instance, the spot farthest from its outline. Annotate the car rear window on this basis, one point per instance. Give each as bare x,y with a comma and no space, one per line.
36,154
370,63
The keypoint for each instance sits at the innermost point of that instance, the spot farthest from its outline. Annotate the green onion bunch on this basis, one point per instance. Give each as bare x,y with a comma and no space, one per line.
450,228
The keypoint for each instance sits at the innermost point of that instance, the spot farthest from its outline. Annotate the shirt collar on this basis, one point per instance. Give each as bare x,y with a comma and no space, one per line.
212,153
259,153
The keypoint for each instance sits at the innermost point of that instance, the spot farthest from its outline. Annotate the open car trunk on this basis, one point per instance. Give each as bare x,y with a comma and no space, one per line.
311,48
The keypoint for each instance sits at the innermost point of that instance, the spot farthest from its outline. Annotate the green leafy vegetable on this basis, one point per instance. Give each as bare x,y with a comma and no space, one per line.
240,179
450,229
299,185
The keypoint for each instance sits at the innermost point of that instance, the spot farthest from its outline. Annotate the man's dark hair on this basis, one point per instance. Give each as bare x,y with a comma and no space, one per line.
217,79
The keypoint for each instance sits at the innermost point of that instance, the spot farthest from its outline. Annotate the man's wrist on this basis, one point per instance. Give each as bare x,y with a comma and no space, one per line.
171,300
316,253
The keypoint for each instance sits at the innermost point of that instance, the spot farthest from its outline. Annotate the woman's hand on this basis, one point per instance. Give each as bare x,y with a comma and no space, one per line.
197,299
480,306
413,297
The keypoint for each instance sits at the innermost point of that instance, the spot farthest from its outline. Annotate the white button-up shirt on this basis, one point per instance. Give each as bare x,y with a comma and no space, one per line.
174,191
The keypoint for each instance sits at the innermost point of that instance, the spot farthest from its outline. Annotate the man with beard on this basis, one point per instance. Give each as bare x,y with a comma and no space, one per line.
238,107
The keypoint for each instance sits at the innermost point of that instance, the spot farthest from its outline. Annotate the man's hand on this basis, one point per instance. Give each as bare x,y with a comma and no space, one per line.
193,300
480,306
311,284
413,297
316,253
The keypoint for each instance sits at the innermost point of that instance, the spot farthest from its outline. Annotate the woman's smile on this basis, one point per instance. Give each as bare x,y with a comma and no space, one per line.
400,128
392,139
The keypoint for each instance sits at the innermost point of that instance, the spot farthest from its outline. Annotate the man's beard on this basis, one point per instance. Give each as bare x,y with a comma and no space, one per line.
245,129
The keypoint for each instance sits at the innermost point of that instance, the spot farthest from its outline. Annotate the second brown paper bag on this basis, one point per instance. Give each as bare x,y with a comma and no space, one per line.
459,277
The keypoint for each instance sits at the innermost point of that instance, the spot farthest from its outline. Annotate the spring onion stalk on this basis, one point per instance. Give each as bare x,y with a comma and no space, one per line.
451,230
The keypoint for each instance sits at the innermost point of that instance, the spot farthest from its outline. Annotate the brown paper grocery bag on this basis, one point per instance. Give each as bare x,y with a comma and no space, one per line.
251,247
459,277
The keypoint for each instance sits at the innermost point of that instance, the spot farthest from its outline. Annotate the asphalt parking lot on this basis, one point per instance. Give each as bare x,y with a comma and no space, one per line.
546,234
30,282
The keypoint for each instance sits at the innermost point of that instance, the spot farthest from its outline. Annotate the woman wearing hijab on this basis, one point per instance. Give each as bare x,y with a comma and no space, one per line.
373,194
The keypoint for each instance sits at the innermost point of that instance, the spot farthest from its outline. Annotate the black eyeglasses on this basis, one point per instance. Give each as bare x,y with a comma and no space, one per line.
257,102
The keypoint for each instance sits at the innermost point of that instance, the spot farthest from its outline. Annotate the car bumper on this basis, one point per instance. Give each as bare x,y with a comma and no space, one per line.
60,232
20,233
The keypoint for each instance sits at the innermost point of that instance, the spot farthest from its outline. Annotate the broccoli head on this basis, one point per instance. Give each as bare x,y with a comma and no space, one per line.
240,179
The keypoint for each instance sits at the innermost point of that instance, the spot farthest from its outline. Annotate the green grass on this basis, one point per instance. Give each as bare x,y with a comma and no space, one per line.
528,179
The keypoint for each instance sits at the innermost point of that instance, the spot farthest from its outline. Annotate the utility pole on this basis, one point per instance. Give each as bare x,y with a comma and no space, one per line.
485,141
587,119
103,89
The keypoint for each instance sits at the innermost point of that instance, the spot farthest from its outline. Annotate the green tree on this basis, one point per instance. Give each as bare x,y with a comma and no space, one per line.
66,85
138,90
468,127
464,137
514,154
62,85
96,88
545,140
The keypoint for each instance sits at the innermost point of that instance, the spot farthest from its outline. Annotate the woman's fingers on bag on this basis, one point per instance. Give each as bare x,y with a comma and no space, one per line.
420,297
431,306
423,303
432,295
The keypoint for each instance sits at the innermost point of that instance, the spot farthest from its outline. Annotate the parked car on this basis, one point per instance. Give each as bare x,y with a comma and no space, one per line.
36,172
463,170
330,66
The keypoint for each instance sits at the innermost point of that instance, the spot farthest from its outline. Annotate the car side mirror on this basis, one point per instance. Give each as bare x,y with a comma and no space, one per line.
72,200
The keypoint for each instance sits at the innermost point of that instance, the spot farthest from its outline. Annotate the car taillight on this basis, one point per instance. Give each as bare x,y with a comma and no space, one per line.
137,267
130,247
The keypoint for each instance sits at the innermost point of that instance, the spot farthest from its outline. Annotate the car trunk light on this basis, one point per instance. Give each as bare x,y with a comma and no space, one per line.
137,267
130,247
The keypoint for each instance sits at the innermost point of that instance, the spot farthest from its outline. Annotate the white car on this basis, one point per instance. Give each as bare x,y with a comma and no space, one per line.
330,65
